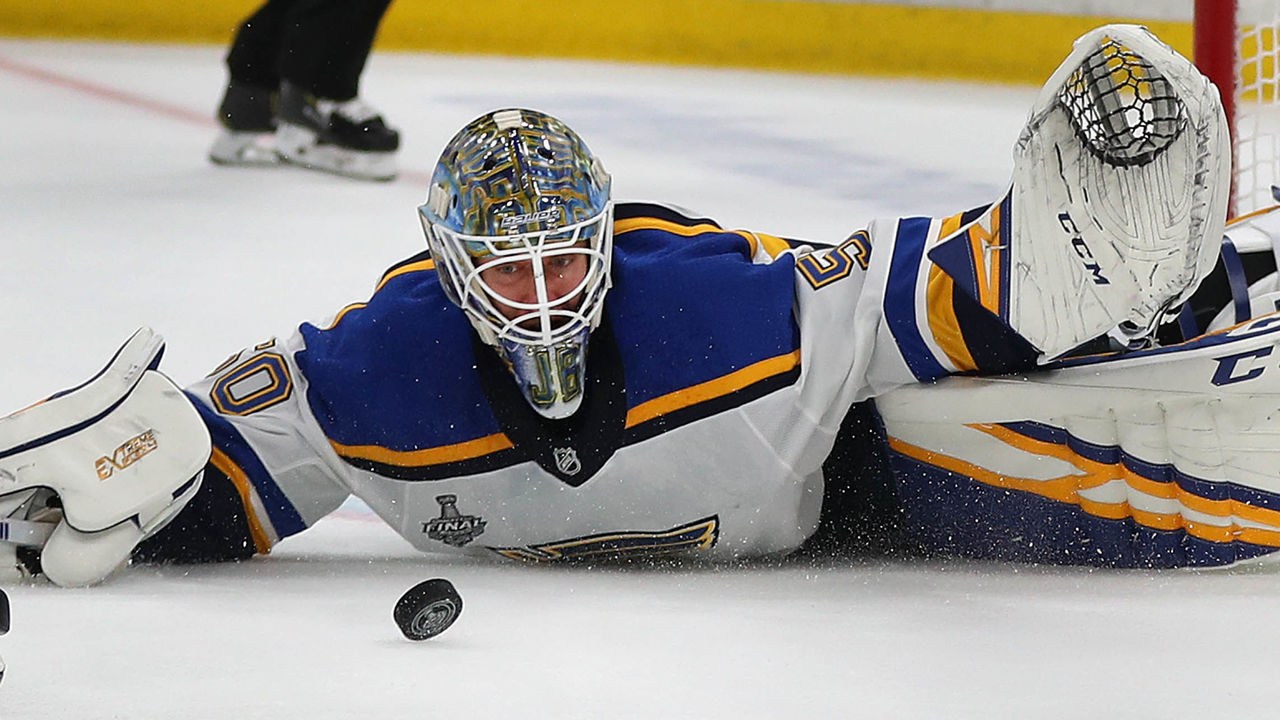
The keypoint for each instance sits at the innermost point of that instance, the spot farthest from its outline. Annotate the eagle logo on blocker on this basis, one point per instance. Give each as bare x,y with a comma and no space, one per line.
452,527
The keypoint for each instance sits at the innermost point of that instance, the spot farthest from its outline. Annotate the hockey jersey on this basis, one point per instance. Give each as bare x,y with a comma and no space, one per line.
717,382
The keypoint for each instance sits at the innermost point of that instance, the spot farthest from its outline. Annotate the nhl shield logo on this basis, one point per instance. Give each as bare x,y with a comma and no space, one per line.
452,527
567,460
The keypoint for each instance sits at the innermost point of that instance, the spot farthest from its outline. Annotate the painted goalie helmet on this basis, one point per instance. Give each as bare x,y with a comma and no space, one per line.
519,219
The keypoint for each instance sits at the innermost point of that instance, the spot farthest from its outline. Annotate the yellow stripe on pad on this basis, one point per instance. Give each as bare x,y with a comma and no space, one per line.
1067,489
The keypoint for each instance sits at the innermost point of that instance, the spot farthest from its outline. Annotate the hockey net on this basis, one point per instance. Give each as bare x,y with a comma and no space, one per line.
1237,44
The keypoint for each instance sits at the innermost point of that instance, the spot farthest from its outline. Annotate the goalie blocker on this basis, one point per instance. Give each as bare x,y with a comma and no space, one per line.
89,473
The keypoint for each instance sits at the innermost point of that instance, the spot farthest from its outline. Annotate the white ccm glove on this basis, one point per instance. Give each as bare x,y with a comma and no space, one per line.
91,472
1120,187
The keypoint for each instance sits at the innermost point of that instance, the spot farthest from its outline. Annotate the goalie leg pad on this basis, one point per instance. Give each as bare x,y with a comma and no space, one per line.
1156,458
1119,193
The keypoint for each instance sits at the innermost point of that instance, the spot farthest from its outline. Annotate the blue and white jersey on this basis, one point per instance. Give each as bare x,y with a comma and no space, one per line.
717,382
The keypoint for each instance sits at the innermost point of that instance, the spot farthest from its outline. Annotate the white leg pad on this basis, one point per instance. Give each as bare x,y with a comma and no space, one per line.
1163,432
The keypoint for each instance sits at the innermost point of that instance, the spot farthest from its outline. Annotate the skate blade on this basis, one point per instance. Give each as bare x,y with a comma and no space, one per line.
298,146
245,149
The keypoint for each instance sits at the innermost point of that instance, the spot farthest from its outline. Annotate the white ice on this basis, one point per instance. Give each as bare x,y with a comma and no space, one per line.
110,217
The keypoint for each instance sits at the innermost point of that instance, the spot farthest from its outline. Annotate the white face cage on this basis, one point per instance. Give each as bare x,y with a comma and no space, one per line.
464,260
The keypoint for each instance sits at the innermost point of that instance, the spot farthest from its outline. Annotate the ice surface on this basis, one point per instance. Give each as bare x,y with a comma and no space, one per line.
110,217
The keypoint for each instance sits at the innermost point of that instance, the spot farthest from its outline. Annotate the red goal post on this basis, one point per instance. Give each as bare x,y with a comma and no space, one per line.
1237,45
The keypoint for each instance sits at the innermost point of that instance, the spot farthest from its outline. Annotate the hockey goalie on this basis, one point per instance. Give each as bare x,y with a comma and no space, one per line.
1081,372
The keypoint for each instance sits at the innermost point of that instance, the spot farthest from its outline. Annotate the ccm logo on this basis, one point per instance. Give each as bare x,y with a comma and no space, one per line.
127,454
1082,249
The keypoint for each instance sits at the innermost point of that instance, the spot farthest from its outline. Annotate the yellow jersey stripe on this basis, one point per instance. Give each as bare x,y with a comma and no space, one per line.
772,245
942,320
261,540
428,456
404,270
411,267
341,313
712,389
988,263
943,324
775,246
627,225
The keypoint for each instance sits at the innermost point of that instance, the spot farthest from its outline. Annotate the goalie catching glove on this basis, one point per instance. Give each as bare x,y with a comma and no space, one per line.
89,473
1118,200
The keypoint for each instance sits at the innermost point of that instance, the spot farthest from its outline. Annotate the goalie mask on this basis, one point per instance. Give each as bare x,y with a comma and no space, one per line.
520,222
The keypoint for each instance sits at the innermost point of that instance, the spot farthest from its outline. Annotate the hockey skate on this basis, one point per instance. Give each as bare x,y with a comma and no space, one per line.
1118,200
347,138
247,117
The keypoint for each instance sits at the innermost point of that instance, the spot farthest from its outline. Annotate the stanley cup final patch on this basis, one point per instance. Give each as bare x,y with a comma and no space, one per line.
452,527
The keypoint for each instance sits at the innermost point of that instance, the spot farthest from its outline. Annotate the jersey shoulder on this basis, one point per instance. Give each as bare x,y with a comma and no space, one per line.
399,362
633,211
655,226
692,304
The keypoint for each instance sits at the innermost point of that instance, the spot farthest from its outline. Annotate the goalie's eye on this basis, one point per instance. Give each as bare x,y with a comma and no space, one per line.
560,263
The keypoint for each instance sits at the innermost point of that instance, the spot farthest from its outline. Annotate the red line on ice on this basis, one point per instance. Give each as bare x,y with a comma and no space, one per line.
140,102
106,93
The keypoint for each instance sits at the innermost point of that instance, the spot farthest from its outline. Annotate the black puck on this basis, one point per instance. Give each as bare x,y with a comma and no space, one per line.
427,609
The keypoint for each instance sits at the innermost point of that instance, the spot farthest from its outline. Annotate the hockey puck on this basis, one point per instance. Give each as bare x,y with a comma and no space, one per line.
427,609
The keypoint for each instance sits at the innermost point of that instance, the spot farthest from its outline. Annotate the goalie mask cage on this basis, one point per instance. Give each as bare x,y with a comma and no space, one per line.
1237,45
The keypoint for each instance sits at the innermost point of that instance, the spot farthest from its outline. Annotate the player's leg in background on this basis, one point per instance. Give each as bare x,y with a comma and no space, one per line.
324,124
254,57
327,43
247,112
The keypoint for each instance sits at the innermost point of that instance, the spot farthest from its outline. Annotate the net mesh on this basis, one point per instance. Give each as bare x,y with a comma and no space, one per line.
1122,108
1257,114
